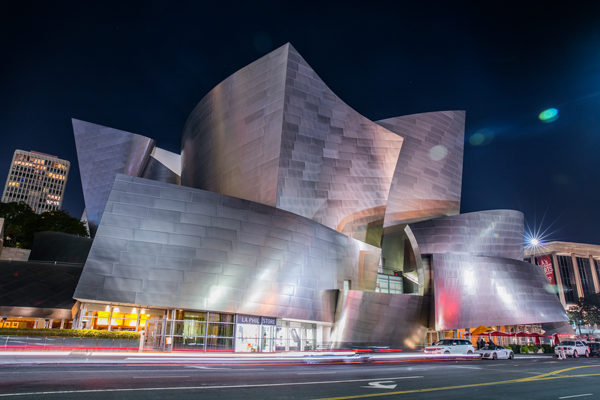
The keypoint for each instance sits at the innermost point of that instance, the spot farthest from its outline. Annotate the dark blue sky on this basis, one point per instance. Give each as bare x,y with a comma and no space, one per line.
143,66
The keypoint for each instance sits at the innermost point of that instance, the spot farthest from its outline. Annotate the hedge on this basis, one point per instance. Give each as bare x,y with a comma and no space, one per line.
546,348
80,333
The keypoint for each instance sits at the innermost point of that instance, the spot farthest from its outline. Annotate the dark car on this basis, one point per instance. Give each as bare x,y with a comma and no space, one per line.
594,349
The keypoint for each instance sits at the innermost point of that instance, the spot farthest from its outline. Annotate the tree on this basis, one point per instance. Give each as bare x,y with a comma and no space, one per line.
61,221
21,222
586,311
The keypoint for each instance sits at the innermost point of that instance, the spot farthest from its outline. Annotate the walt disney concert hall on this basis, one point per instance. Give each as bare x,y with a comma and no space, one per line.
291,222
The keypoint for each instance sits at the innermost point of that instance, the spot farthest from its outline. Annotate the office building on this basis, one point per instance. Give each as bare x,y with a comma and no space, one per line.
37,179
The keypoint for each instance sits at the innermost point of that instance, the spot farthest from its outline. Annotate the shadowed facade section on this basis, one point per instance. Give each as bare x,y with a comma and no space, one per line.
275,134
172,246
35,289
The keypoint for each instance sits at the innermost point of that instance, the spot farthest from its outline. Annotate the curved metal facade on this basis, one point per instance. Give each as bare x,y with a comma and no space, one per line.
103,153
428,175
495,233
275,134
284,186
172,246
380,319
472,291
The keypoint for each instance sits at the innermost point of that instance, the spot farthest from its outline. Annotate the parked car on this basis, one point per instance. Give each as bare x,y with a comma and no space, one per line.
495,352
451,346
594,349
573,348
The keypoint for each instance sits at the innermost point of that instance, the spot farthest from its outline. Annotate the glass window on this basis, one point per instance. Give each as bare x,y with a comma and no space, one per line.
566,273
389,283
214,317
585,274
220,330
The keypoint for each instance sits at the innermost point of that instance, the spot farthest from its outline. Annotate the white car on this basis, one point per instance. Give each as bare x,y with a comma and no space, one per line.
451,346
573,348
495,352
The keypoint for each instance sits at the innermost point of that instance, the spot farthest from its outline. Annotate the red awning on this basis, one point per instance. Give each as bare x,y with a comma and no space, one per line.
501,334
527,334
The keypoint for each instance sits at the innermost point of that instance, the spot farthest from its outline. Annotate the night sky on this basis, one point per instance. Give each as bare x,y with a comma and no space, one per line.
143,66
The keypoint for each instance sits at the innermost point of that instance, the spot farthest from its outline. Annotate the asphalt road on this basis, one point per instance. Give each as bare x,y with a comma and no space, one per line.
543,378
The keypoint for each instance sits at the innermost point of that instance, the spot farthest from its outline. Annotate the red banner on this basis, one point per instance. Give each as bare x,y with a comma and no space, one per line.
546,263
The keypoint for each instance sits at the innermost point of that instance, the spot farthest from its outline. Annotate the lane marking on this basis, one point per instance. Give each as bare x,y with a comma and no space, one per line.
154,377
380,385
548,376
468,367
207,367
315,373
201,387
577,395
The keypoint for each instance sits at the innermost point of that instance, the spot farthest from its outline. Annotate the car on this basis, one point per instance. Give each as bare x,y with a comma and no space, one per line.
451,346
495,352
594,349
572,348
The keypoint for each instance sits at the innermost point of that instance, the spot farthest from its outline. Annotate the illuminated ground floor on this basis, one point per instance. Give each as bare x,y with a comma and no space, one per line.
187,330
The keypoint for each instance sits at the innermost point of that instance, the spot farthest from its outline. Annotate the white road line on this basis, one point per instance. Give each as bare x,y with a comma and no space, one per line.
469,367
577,395
205,387
315,373
495,365
154,377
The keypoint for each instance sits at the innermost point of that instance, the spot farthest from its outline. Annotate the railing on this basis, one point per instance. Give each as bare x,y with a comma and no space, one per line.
41,343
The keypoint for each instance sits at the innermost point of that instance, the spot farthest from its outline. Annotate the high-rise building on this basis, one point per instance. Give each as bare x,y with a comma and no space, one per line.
37,179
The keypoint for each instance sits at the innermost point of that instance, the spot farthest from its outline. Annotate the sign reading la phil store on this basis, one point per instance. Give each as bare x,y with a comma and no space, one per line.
546,263
251,319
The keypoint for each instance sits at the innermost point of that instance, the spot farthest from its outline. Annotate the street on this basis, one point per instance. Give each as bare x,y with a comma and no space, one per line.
531,378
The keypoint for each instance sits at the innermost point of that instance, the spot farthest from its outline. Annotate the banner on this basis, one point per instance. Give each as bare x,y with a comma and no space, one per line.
546,263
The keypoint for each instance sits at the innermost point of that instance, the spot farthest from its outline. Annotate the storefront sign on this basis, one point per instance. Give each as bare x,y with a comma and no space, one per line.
248,319
269,321
546,263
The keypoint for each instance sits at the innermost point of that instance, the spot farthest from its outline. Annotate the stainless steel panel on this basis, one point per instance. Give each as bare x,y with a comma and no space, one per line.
495,233
380,319
221,272
157,171
428,175
102,153
293,144
563,327
472,291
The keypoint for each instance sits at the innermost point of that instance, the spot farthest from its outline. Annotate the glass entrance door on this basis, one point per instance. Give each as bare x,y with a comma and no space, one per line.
154,334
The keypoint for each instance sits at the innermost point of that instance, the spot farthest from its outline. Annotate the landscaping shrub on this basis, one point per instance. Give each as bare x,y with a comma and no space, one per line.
548,348
515,348
80,333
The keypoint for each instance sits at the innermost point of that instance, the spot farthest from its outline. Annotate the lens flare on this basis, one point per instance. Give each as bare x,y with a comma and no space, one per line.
476,139
482,137
438,152
549,115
